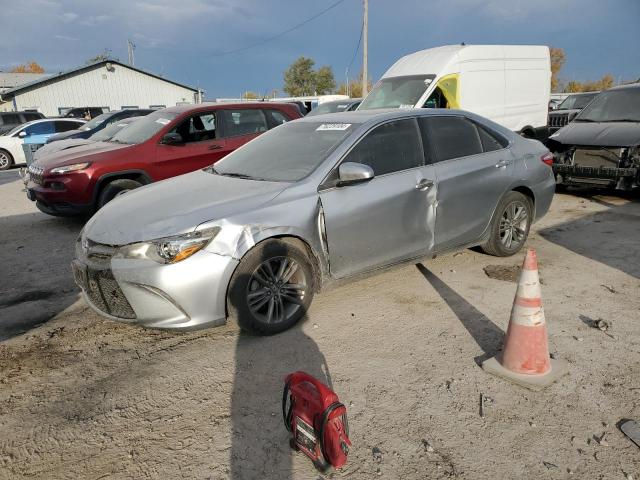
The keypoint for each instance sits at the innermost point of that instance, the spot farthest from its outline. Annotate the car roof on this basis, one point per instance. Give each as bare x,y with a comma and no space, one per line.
627,86
56,119
215,105
378,115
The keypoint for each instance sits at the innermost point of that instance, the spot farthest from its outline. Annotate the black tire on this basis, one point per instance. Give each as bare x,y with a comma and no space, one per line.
264,304
115,188
498,242
6,160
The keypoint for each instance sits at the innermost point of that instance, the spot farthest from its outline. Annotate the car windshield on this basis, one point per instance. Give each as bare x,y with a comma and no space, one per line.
397,92
145,128
329,107
108,132
287,153
93,123
622,105
576,101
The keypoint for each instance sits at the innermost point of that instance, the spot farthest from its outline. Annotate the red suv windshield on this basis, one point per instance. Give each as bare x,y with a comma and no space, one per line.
145,128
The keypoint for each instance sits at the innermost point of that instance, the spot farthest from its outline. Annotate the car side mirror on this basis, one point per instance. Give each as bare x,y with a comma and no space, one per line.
172,138
22,134
350,173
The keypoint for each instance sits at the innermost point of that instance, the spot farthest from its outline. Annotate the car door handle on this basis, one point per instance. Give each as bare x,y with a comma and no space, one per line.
424,184
503,163
215,147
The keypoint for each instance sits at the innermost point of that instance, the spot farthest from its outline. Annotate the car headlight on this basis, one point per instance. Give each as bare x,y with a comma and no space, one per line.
169,249
70,168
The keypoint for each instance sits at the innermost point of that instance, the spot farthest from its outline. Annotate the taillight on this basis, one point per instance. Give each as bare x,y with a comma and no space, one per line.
547,158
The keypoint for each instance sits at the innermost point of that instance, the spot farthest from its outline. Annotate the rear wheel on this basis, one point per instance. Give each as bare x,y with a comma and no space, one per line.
510,225
6,160
272,288
117,187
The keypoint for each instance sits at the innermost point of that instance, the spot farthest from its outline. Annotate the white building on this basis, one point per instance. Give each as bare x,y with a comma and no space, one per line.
108,84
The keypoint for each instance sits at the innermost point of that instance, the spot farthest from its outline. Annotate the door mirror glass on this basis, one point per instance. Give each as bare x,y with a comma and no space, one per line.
172,138
22,134
350,173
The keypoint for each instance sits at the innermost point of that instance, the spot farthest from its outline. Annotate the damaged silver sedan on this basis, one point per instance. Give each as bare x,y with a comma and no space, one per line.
256,235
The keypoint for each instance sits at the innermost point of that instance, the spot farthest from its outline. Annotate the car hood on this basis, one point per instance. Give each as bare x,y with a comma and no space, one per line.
83,153
605,134
64,135
177,206
51,148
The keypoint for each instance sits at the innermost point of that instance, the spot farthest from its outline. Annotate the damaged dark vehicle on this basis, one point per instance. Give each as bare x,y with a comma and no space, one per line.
601,147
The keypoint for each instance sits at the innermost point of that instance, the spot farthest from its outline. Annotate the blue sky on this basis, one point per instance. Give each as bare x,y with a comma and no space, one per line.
183,39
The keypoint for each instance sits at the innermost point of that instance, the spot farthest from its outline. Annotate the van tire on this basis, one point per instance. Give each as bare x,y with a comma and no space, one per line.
494,244
115,188
6,160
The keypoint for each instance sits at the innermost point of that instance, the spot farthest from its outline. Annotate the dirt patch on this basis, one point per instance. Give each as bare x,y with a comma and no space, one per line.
506,273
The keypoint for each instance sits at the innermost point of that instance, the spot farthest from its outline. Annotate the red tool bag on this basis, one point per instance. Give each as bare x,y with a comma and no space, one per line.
316,420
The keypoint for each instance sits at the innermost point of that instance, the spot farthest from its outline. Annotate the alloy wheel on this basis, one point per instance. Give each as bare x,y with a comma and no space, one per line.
276,290
4,161
513,225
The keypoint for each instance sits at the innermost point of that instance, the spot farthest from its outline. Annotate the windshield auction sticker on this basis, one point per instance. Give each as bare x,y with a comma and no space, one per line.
163,121
333,126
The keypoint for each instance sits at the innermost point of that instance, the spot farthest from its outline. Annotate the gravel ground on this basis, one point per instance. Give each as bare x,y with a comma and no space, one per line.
82,397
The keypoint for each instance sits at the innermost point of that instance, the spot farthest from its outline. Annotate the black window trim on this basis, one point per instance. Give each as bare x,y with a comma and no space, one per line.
433,148
326,185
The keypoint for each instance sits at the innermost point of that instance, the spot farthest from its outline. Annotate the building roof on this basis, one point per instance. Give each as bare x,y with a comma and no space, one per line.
9,80
35,83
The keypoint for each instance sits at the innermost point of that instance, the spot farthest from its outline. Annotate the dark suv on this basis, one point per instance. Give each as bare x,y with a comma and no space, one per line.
163,144
601,146
10,120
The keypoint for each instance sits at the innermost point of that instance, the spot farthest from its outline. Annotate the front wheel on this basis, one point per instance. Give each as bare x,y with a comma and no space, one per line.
510,225
6,160
272,288
115,188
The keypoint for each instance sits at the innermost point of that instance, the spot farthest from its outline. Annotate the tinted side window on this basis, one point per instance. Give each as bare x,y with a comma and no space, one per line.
451,137
244,122
41,128
66,126
490,142
389,148
277,117
31,116
11,119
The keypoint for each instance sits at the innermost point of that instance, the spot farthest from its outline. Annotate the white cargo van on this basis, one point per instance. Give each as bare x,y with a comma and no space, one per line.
509,84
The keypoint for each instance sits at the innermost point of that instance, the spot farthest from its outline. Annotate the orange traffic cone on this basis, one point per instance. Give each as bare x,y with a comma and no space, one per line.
525,357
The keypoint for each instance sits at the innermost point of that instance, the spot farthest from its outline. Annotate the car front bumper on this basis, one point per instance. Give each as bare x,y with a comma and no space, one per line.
187,295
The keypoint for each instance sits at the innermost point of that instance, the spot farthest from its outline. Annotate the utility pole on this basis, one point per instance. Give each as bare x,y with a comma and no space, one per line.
365,41
130,48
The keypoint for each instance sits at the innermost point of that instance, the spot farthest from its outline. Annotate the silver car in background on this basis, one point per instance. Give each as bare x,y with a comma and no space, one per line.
317,199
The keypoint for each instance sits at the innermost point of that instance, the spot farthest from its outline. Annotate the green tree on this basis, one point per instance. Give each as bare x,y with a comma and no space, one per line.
355,88
325,83
299,78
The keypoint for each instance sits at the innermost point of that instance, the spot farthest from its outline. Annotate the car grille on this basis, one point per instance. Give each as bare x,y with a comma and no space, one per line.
597,157
99,283
558,120
36,173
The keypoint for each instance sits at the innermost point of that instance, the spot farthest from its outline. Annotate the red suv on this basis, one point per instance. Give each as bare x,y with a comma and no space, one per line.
163,144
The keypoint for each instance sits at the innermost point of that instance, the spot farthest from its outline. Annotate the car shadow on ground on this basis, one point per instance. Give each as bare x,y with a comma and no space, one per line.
603,236
260,442
36,281
486,334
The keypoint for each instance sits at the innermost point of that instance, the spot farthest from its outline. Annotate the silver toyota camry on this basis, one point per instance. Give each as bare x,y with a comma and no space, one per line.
253,237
